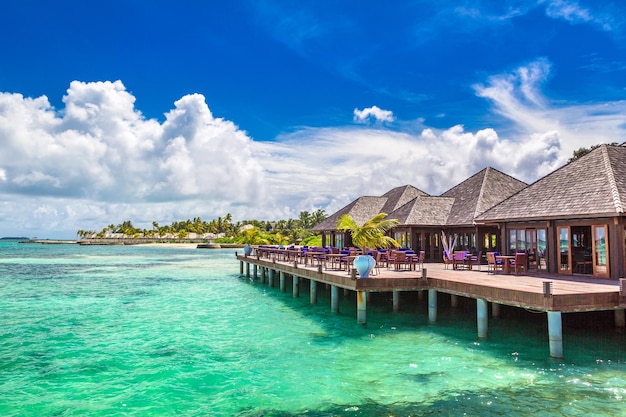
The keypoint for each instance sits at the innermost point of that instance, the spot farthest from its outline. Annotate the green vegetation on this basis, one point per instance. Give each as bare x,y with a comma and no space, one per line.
246,231
584,151
372,234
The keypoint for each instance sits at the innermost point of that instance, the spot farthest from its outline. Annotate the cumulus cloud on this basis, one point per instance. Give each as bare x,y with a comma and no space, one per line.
99,160
373,113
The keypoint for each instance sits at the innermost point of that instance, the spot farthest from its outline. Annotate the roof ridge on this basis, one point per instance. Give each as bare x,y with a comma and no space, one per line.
611,178
480,194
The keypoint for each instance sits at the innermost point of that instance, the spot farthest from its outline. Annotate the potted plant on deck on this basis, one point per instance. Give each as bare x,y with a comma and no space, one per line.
371,234
252,236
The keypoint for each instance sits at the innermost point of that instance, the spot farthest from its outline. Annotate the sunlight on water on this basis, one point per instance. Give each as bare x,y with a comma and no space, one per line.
158,331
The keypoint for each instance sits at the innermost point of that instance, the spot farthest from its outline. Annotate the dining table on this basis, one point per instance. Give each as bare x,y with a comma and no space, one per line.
506,262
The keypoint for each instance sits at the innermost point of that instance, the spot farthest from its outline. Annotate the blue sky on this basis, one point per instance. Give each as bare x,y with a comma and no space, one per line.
160,110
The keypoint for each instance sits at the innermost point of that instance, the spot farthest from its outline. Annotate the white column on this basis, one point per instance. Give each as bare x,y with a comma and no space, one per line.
432,306
482,318
296,286
361,307
334,298
313,291
555,334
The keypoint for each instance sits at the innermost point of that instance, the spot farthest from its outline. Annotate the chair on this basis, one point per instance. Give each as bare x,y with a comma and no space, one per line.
377,257
492,264
520,263
447,259
459,260
475,260
399,259
418,260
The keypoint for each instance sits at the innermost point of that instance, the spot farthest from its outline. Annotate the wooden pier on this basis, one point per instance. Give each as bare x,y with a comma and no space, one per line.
553,294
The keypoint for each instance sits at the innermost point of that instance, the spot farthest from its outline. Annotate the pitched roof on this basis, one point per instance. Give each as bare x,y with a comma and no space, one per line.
364,208
361,210
479,193
399,196
594,185
424,211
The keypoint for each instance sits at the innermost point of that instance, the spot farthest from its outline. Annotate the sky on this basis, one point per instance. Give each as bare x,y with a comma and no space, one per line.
169,110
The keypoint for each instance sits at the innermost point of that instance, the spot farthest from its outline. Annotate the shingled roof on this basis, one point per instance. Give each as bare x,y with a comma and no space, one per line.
399,196
592,186
479,193
364,208
424,211
361,210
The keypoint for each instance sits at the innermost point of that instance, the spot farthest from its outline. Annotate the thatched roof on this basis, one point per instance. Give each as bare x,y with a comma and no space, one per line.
592,186
424,211
479,193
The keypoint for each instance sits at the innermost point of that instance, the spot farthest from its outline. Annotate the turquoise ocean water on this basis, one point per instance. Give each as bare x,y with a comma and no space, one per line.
155,331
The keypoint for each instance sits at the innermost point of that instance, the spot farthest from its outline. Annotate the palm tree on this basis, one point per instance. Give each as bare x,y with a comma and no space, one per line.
372,234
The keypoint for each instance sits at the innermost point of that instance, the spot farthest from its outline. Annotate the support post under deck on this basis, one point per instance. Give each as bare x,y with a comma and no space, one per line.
620,317
555,334
334,298
282,281
313,292
432,305
396,300
296,286
482,317
361,306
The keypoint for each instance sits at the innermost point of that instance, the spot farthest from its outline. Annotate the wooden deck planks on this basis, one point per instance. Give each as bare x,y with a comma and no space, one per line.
569,294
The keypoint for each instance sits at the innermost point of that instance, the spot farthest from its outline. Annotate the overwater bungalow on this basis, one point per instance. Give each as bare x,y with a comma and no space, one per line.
422,217
573,218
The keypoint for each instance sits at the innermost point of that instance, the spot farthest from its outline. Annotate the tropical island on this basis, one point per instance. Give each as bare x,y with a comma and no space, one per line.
222,230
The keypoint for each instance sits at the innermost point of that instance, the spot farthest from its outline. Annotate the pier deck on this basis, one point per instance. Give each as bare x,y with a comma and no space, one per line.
567,293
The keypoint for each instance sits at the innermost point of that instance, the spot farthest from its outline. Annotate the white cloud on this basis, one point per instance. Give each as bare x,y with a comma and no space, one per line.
573,12
517,96
374,112
99,161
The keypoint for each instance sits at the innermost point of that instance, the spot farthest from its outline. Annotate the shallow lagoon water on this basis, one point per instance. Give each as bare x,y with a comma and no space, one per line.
151,331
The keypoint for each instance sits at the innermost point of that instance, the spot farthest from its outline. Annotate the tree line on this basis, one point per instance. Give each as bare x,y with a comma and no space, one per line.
223,228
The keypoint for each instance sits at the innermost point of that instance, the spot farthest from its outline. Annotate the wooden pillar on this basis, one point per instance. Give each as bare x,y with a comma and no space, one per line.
454,301
396,300
296,286
313,291
620,317
555,334
361,307
482,317
240,267
282,281
263,274
495,309
254,271
270,278
432,306
247,269
334,298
